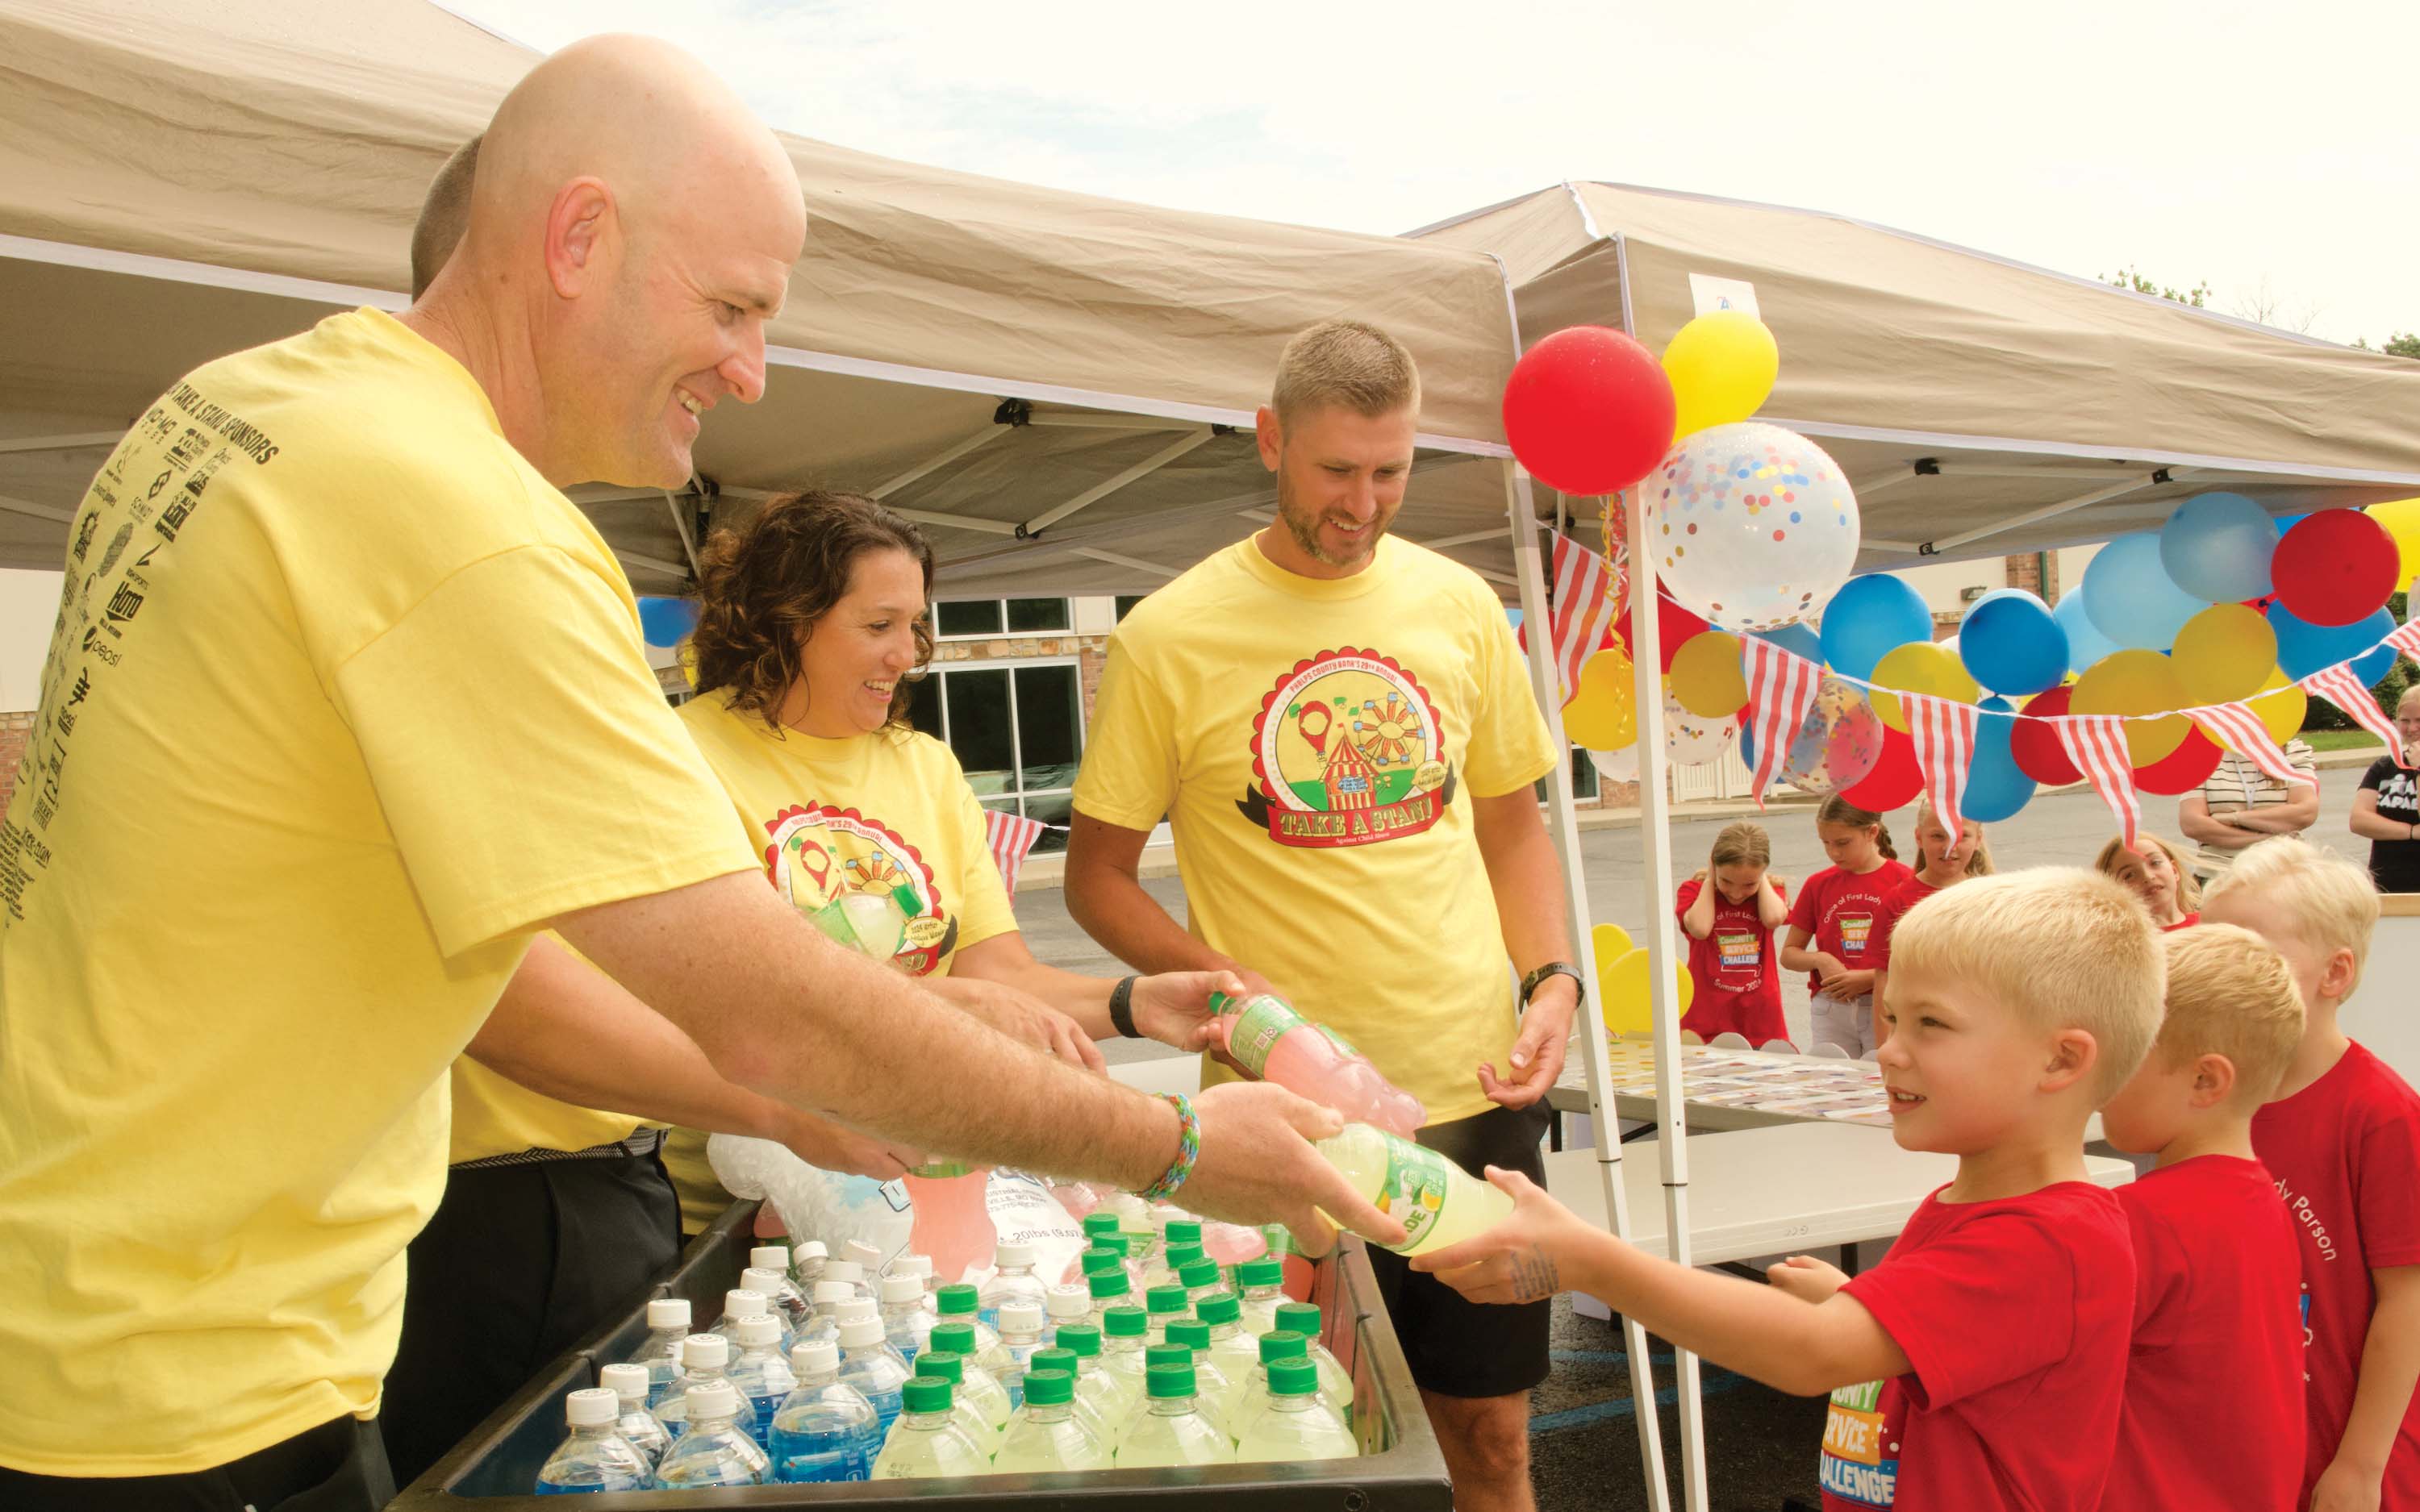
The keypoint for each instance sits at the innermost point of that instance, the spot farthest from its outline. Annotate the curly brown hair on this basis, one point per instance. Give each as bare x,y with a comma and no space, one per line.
764,586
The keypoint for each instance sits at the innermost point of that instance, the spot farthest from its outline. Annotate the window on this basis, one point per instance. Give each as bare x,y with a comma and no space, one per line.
1126,602
958,617
1583,779
1017,728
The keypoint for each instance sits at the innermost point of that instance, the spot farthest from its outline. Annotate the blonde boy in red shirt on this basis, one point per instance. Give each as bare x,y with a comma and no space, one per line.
1992,1342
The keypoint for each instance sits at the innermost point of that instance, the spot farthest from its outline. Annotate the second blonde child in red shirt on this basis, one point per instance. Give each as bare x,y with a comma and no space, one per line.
1832,924
1730,911
2157,873
1942,860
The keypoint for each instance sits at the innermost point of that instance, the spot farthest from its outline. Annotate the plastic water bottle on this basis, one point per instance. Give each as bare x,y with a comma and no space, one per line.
1208,1385
1232,1351
1103,1393
1295,1266
1109,1290
717,1450
1296,1426
706,1359
824,1430
1064,1361
1233,1243
918,1266
959,1303
1437,1202
950,1365
629,1384
1181,1231
1046,1435
873,1366
975,1386
1252,1398
668,1323
851,1272
774,1283
953,1217
1162,1307
742,1303
1335,1381
807,1264
906,1319
1098,1222
1125,1335
1172,1432
927,1442
1215,1381
1067,1304
761,1375
867,1259
824,1322
1262,1282
1201,1280
1265,1035
1020,1334
789,1299
596,1457
1015,1281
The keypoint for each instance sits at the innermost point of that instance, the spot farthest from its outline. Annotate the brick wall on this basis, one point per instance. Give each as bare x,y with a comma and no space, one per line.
2036,575
14,730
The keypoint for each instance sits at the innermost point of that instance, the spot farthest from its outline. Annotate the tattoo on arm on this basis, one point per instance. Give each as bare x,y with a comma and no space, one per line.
1533,1276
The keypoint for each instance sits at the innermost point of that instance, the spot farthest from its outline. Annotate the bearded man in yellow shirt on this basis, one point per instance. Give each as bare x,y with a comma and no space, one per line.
1337,725
345,704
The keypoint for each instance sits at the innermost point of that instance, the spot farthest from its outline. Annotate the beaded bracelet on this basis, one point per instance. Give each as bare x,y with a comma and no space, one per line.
1189,1150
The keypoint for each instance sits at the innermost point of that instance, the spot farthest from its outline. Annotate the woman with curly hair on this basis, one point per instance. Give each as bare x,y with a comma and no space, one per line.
811,628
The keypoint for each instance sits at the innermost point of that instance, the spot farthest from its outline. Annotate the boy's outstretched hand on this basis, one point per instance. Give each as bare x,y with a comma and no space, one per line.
1523,1258
1806,1277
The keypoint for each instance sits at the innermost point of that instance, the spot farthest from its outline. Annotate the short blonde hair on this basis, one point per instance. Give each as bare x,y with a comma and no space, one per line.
2188,884
2230,994
2332,902
2060,946
1349,364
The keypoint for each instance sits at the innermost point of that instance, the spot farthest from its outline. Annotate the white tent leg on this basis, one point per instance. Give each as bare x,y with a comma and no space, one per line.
1564,826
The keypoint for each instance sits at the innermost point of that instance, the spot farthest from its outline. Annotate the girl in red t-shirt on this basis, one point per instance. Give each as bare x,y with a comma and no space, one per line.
1832,924
1940,861
2158,875
1730,910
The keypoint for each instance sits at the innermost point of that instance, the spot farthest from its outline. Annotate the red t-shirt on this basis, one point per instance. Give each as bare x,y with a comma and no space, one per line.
2345,1153
1739,982
2213,1408
1912,892
1840,909
2013,1316
2186,922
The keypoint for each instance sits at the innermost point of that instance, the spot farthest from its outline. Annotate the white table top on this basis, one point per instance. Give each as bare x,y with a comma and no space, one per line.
1773,1191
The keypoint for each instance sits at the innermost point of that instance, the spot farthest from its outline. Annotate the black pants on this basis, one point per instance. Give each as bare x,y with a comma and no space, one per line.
518,1264
1457,1348
336,1467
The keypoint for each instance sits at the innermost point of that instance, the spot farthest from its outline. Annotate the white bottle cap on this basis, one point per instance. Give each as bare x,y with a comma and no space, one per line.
862,1253
768,1282
812,1250
770,1257
716,1399
1069,1302
1020,1318
764,1328
745,1302
859,1332
912,1265
1011,1253
854,1309
833,1293
667,1311
589,1406
816,1357
903,1288
706,1351
849,1271
624,1380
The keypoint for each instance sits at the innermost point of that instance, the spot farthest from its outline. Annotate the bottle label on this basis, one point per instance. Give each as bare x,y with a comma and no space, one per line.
1416,1184
1264,1022
1281,1239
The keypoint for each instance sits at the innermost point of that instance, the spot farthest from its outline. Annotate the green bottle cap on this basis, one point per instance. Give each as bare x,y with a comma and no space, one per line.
958,1338
1183,1232
1100,1222
1054,1358
946,1363
1218,1308
957,1301
1049,1388
1159,1355
1261,1272
1168,1299
1125,1322
924,1393
1181,1255
1083,1338
1098,1262
1198,1273
1108,1283
1283,1344
1121,1245
1302,1316
1292,1378
1168,1380
1191,1333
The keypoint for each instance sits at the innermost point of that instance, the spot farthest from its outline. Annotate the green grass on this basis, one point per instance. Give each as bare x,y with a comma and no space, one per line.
2339,739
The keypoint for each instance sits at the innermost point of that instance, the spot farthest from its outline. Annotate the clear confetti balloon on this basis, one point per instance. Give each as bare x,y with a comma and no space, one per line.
1692,740
1752,526
1836,744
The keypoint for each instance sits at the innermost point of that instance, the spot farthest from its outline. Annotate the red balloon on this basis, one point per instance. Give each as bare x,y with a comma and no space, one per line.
2034,745
1895,780
1589,410
2181,770
2335,568
1673,625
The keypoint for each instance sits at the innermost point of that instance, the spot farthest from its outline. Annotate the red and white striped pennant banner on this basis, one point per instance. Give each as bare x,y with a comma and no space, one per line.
2240,730
2339,686
1583,609
1780,689
1943,732
2406,638
2096,744
1011,837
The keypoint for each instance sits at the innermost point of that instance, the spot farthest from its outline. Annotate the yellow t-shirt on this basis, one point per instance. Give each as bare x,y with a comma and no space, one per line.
343,702
1309,739
886,814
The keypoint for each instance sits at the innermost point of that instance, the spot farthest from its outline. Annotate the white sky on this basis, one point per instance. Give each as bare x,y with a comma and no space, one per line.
2255,147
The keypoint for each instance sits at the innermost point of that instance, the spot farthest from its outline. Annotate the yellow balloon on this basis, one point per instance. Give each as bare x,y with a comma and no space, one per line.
1722,365
687,656
1627,1007
1706,676
1920,667
2136,682
2401,517
1610,942
2281,706
2224,652
1602,715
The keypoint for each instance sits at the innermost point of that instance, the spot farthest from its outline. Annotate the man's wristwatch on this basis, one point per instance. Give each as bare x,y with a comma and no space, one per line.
1552,968
1122,1008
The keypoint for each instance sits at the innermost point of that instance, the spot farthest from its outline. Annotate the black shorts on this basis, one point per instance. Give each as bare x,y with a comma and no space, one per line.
336,1467
1471,1349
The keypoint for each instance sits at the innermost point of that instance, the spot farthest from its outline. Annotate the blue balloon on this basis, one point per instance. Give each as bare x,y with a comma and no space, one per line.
1798,638
2130,598
2303,648
2371,669
2086,644
1870,616
1997,787
2217,547
2011,643
664,621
